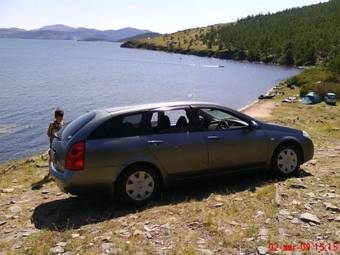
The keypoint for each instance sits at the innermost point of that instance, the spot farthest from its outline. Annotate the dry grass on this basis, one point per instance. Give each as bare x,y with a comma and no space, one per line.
222,216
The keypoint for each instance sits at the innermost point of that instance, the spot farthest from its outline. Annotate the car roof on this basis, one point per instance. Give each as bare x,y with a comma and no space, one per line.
146,107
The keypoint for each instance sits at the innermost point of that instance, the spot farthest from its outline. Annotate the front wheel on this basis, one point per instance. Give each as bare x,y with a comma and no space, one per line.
286,160
138,185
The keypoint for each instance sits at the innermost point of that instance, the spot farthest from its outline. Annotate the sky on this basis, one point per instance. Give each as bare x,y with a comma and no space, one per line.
156,15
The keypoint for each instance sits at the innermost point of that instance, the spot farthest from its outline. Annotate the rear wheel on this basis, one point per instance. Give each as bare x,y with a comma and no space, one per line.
138,185
286,160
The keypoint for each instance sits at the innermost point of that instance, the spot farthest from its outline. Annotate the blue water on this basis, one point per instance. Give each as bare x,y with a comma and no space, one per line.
36,76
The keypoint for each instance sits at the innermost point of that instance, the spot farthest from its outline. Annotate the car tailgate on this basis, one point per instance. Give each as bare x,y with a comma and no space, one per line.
58,154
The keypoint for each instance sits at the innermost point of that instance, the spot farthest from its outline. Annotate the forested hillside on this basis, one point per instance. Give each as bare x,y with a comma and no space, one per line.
298,36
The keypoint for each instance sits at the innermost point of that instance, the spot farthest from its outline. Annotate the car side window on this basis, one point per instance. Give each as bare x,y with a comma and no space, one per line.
215,119
121,126
169,121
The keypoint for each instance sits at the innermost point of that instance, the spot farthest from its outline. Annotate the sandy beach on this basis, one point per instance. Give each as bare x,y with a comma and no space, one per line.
259,109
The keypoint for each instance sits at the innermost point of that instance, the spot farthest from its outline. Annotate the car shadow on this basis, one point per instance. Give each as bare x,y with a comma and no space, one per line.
75,212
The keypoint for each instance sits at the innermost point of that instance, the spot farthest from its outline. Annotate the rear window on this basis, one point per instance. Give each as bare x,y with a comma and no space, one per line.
76,124
121,126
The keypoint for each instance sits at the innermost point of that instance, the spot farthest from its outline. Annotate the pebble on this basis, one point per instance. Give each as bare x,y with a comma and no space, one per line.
7,190
308,217
206,252
57,250
62,244
313,162
297,186
284,212
331,207
217,204
295,221
15,209
17,246
262,250
3,223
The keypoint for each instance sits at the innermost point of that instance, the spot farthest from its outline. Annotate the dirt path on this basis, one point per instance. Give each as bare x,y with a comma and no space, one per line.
260,109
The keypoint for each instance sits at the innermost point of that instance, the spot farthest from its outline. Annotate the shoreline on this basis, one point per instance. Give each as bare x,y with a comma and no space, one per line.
260,109
224,54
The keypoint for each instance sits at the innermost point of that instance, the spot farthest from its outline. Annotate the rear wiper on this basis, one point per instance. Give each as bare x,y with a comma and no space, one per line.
57,136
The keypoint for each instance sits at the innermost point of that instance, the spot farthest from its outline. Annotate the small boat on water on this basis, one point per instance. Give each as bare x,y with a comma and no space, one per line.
311,98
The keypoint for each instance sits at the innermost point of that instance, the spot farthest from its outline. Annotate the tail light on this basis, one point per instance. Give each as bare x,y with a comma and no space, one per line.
75,157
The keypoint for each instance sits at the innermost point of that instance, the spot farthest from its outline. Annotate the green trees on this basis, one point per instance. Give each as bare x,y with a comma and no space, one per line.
288,55
299,36
334,65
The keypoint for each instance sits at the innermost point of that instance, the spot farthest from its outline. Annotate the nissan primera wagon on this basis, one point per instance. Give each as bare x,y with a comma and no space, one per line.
135,151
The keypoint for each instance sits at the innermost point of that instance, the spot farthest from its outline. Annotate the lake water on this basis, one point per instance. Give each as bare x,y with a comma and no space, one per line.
36,76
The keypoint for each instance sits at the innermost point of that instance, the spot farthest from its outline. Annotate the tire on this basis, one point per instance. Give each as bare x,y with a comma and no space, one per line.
138,185
286,160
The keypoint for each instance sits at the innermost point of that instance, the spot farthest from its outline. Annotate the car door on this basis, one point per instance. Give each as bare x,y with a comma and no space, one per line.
234,146
171,141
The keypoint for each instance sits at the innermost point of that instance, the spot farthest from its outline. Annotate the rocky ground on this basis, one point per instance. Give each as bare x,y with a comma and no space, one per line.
252,214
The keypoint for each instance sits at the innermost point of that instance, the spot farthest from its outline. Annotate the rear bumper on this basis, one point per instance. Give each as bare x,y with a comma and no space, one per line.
73,182
62,179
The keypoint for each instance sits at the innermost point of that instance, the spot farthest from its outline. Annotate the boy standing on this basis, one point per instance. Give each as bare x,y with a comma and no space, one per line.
56,125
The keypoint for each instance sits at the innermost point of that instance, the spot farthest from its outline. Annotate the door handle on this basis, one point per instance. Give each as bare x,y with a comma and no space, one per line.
213,137
155,142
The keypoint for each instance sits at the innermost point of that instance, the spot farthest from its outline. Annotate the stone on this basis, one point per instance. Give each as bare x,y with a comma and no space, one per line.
206,252
263,233
312,162
67,253
75,235
337,219
62,244
15,209
262,250
307,207
3,223
106,246
295,221
57,250
308,217
217,205
17,245
114,251
234,223
137,232
284,212
331,207
297,186
295,202
8,190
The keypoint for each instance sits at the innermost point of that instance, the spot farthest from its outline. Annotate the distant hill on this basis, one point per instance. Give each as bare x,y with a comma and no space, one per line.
298,36
62,32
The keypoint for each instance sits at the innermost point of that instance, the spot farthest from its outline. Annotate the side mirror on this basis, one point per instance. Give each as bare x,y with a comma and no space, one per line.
253,125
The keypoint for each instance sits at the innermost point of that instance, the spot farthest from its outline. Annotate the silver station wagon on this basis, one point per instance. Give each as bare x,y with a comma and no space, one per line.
133,152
